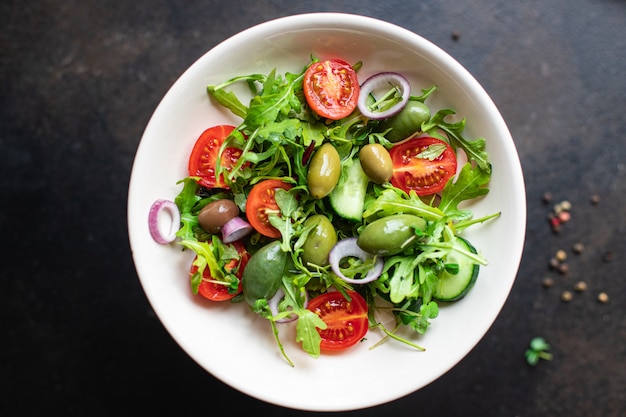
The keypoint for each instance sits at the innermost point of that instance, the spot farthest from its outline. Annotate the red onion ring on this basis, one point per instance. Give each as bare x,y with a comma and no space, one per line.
235,229
378,81
277,298
348,247
156,209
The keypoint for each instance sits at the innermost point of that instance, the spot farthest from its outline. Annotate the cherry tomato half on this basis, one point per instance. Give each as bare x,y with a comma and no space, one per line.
346,320
261,203
422,164
205,153
219,292
331,88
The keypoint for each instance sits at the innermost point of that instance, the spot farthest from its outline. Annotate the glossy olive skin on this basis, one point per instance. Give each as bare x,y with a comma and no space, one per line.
376,163
324,171
388,235
408,121
216,214
264,272
320,240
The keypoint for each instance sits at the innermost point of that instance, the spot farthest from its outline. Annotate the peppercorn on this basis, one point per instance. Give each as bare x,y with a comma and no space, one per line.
547,197
564,216
595,199
580,286
566,296
603,297
578,248
547,282
560,255
563,268
554,263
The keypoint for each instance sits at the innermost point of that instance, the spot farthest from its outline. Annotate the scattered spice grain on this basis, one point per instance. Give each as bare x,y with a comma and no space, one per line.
554,263
578,248
547,197
547,282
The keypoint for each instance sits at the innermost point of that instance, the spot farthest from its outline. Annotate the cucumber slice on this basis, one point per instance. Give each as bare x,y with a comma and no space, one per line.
453,287
348,197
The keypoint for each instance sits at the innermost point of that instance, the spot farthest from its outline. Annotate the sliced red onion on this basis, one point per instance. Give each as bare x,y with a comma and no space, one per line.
383,81
235,229
277,298
154,225
346,248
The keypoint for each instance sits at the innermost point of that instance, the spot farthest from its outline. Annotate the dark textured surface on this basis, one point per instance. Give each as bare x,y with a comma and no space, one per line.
78,83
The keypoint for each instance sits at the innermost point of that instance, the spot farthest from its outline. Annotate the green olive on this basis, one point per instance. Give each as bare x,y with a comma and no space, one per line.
264,272
391,234
324,171
320,240
408,121
376,163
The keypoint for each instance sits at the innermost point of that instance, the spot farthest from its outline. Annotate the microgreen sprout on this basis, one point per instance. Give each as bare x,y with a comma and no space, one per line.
537,350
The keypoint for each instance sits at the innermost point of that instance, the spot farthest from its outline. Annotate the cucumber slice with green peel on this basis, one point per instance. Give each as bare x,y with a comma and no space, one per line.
453,287
348,197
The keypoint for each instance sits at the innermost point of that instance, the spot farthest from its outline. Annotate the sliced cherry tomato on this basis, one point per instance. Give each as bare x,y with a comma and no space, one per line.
331,88
423,165
219,292
261,203
204,155
347,321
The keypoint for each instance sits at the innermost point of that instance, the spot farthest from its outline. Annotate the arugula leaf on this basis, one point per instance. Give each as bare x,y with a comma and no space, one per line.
307,323
402,283
186,200
394,201
262,308
306,331
277,98
283,223
432,152
426,92
312,133
229,99
475,149
470,183
206,258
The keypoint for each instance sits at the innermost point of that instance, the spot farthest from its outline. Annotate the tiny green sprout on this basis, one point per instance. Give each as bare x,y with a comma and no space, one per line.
537,350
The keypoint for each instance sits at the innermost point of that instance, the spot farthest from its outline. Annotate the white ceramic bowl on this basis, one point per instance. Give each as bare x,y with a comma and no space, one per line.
231,342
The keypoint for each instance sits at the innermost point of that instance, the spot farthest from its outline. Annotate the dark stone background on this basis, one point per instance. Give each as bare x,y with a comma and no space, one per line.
79,80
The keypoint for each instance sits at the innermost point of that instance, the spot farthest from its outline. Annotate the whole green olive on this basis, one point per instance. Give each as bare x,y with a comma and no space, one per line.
391,234
408,121
376,162
324,171
216,214
264,272
320,240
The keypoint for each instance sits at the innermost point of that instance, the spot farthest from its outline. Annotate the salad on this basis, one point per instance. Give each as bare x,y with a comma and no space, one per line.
332,202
